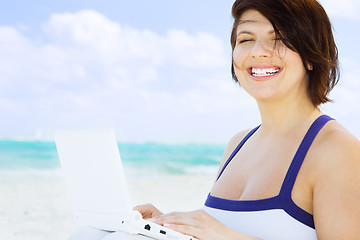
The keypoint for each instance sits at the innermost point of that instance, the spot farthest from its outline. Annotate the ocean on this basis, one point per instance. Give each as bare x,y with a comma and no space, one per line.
35,201
148,159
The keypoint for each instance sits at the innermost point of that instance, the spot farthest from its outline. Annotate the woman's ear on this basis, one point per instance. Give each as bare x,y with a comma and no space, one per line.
309,66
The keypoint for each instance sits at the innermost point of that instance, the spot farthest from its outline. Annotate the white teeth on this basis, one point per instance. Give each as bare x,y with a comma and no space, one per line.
261,72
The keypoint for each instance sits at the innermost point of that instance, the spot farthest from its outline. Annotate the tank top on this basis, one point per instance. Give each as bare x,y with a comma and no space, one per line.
274,218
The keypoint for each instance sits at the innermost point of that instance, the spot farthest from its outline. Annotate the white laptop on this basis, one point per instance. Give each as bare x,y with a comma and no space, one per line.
93,172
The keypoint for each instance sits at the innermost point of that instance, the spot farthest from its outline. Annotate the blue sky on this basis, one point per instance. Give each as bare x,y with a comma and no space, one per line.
154,71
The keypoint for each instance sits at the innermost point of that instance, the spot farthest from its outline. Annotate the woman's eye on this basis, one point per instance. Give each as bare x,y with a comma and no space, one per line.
244,40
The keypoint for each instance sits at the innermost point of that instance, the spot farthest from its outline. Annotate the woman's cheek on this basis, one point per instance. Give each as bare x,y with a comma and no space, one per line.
239,58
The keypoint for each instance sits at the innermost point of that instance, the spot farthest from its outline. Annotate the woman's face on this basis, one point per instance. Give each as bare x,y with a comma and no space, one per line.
264,66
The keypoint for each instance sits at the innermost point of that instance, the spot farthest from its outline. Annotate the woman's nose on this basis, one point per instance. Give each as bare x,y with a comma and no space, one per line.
262,48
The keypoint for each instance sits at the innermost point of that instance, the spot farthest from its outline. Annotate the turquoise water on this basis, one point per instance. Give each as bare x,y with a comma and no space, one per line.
149,159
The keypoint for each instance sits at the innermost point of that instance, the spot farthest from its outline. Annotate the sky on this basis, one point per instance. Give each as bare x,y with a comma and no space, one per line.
155,71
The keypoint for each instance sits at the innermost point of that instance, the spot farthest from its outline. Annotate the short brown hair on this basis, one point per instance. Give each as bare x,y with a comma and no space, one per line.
304,27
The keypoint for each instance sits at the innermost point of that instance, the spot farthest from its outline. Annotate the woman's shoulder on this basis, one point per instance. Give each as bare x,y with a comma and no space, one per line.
233,143
237,138
335,146
336,141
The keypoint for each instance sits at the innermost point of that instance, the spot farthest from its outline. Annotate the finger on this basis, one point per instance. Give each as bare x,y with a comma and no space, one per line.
178,218
184,229
147,210
143,207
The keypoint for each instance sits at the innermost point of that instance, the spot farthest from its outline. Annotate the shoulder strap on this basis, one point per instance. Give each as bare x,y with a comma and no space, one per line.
299,157
237,149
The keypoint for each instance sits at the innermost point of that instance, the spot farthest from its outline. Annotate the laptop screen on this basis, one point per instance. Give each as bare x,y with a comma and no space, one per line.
93,171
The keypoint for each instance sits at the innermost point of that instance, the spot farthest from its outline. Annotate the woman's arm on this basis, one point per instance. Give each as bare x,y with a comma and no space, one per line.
336,192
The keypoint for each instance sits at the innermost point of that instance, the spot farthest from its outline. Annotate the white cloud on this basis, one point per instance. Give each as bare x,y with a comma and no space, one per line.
348,9
12,45
95,72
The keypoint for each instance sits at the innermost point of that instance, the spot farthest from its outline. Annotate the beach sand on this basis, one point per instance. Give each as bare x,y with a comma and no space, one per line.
37,207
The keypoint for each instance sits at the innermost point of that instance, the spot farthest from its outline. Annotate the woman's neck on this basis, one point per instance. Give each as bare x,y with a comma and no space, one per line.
285,116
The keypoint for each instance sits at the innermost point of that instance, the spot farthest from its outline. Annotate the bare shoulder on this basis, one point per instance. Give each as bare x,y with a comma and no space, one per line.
232,144
336,153
336,145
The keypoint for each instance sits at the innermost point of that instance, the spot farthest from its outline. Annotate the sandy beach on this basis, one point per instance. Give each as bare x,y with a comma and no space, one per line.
35,206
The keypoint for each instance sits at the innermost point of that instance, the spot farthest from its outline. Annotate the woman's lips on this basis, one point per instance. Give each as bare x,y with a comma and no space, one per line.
263,72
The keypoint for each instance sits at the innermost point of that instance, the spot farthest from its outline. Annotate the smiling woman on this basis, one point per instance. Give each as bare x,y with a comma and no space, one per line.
295,174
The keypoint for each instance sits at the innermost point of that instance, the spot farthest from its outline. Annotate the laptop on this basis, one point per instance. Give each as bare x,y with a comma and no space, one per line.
97,187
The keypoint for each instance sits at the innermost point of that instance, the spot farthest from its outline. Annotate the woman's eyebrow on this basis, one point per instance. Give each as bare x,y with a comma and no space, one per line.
249,32
244,32
246,21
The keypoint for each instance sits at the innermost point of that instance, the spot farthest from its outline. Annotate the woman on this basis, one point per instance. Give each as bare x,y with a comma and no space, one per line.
297,175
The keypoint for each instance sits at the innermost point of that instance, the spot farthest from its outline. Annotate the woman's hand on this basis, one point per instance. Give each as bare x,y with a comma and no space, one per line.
148,211
198,224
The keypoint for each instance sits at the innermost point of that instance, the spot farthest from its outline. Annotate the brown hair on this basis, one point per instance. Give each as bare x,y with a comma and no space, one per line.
304,27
